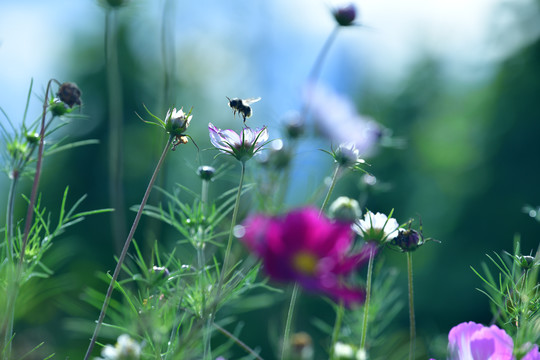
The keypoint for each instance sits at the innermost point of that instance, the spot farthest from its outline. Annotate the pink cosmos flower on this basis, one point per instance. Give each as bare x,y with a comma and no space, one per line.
309,249
242,146
472,341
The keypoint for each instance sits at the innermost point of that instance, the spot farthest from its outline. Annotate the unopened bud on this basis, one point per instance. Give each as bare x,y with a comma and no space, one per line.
206,172
345,15
345,209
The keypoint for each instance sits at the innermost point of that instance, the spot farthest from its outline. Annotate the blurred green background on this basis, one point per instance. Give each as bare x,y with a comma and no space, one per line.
461,91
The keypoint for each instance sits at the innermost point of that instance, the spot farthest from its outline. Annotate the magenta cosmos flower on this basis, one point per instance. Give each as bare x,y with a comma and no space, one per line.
242,146
472,341
309,249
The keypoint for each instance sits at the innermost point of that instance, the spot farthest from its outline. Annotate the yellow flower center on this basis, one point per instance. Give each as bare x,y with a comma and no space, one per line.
305,263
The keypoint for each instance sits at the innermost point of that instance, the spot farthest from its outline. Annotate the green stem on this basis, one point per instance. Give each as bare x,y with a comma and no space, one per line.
238,341
202,275
204,195
368,298
317,66
286,334
37,176
9,214
411,306
125,249
337,328
332,185
226,259
114,88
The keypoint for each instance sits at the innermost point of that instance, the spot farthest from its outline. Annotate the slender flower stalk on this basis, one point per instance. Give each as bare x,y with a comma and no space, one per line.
317,66
411,306
114,88
226,258
126,247
331,188
294,295
288,323
9,214
366,304
337,328
30,211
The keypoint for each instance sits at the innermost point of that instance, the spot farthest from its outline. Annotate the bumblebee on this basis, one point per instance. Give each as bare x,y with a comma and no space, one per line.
242,107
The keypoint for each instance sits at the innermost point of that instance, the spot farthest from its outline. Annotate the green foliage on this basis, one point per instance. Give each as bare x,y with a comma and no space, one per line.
514,294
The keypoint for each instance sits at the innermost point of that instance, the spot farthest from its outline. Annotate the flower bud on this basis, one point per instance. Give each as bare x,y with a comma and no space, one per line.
526,262
57,107
408,240
294,125
345,15
69,94
17,150
32,137
176,121
277,158
345,209
162,270
206,172
347,155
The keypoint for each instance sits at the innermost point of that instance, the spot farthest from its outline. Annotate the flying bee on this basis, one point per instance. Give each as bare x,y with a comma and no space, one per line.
242,107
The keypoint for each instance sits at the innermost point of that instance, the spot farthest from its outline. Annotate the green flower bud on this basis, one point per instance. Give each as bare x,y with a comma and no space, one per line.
58,108
32,137
206,173
526,262
345,209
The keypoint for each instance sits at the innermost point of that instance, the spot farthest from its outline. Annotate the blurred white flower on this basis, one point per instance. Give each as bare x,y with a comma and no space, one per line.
361,354
125,349
336,117
343,351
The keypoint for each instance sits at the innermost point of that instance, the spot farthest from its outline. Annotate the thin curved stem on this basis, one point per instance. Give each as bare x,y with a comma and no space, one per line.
317,67
331,189
37,176
411,306
288,324
125,249
238,341
368,298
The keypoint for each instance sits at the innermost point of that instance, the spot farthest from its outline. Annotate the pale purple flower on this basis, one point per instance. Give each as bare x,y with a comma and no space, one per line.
336,117
242,146
309,249
472,341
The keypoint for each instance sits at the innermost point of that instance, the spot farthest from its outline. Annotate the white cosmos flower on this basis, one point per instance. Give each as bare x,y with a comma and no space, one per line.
376,227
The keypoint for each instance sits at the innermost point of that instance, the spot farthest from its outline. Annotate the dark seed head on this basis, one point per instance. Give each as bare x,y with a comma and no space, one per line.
69,94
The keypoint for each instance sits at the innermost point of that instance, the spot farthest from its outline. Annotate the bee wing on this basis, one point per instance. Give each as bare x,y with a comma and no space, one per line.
246,102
